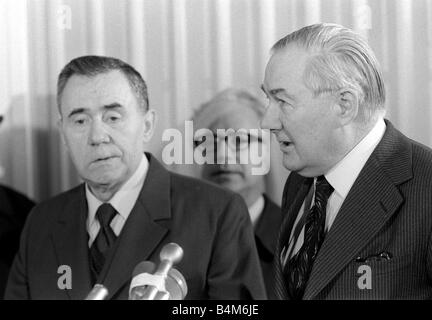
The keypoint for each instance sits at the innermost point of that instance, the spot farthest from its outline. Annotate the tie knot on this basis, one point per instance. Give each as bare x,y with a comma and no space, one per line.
323,188
105,213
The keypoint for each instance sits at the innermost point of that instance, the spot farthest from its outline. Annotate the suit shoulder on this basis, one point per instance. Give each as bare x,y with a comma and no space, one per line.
421,158
202,193
272,214
195,187
48,209
271,205
16,198
420,150
14,202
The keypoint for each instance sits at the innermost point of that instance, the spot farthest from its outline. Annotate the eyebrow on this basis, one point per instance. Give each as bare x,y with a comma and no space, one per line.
114,105
75,111
111,106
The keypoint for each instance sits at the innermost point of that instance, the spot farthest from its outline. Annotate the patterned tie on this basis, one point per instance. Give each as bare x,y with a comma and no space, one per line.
104,240
298,268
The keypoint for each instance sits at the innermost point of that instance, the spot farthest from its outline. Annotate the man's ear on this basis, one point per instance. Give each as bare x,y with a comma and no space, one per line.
60,129
149,125
348,105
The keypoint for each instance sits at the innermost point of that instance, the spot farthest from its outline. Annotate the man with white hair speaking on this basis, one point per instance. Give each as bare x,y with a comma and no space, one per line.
357,205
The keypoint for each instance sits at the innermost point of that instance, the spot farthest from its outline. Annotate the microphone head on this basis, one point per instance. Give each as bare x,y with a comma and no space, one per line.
171,252
99,292
144,267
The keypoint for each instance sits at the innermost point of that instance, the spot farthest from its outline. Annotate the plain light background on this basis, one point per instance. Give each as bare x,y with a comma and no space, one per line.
186,50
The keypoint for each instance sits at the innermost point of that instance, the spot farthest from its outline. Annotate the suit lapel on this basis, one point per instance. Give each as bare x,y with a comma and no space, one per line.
70,241
296,192
372,200
269,220
141,234
296,189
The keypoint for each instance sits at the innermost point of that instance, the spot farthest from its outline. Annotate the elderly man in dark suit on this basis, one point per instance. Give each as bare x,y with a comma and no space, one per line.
357,205
237,110
14,208
129,206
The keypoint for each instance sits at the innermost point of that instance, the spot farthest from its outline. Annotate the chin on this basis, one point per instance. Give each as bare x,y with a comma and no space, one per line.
290,164
233,185
107,178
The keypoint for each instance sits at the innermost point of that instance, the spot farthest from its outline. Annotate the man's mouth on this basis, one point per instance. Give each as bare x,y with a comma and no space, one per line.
104,159
224,172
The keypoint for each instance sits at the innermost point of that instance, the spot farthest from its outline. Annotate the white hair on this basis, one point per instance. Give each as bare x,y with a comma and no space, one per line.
240,96
340,58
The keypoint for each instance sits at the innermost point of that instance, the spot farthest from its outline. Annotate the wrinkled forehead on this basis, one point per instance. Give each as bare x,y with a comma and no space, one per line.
284,64
226,114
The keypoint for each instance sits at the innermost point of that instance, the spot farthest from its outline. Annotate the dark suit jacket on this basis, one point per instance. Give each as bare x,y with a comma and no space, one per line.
388,209
14,208
210,224
266,231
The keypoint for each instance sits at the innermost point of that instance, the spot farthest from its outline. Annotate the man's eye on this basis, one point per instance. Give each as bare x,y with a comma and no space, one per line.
242,141
113,118
198,141
80,121
254,139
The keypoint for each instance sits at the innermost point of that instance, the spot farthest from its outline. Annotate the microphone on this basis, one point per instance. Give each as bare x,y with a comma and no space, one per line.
176,285
99,292
170,254
137,291
164,283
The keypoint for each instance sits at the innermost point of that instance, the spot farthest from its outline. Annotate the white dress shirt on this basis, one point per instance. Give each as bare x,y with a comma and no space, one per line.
256,209
341,177
123,201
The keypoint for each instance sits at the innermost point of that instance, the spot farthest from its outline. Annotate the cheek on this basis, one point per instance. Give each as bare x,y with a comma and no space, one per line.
296,124
133,140
76,146
249,177
244,155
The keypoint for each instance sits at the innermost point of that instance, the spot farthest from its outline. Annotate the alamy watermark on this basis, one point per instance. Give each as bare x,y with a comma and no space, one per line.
64,281
203,146
365,279
64,17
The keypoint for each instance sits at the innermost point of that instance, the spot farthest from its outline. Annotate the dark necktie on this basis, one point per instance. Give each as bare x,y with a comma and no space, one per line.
298,267
104,240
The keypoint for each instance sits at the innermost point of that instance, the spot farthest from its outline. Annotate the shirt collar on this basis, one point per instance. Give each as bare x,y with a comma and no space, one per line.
256,209
124,199
343,175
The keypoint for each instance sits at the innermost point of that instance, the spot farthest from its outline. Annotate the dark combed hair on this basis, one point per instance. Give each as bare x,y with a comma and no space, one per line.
91,66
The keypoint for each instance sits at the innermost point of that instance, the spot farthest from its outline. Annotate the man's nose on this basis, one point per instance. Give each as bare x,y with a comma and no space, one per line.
271,118
223,152
98,133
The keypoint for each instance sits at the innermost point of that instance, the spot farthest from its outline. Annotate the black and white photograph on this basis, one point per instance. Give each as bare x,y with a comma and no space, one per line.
231,150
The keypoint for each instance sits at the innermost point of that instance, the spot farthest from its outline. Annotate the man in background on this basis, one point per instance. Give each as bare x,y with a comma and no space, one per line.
357,204
239,110
129,206
14,208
